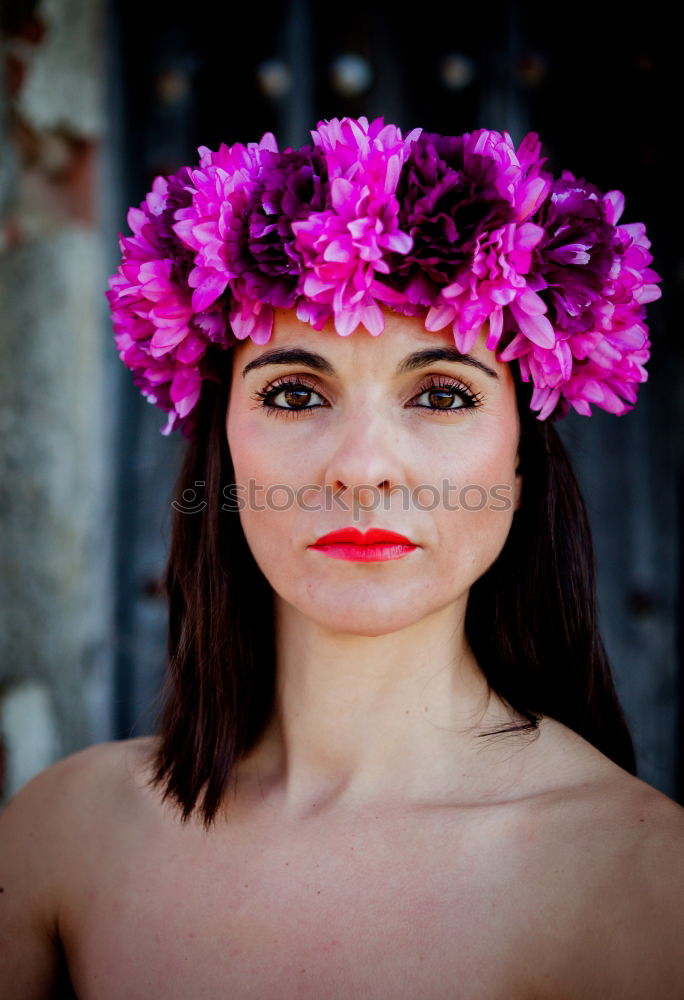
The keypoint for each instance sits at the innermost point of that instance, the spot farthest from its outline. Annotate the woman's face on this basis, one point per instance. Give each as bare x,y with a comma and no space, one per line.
363,437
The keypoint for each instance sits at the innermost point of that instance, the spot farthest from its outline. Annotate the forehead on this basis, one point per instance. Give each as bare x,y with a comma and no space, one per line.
360,351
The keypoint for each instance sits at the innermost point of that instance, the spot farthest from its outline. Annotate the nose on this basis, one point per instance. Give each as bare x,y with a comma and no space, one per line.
366,454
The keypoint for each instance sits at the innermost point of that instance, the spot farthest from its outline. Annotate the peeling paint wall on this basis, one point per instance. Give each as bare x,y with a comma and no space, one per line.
55,454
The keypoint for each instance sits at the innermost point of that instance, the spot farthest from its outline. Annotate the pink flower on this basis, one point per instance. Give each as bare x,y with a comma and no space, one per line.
496,279
158,332
221,190
466,202
344,246
596,279
465,231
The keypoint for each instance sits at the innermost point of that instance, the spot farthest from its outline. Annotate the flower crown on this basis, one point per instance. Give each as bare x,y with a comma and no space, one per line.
464,231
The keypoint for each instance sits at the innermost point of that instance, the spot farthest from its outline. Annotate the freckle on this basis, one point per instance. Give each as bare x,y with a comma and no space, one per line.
407,712
302,970
246,886
425,709
318,893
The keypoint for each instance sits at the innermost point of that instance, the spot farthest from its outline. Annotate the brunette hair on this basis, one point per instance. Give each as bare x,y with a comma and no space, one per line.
531,618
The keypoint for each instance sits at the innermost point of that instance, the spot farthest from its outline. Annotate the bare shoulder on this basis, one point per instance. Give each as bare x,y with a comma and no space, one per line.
637,854
49,834
612,850
614,815
59,810
76,787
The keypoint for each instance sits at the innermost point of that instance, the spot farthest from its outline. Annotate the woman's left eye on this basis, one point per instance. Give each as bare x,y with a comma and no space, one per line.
442,392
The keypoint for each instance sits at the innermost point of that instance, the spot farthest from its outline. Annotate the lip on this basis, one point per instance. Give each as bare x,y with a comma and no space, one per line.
374,545
374,536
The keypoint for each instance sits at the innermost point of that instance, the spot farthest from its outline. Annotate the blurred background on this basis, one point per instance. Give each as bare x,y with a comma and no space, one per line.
96,99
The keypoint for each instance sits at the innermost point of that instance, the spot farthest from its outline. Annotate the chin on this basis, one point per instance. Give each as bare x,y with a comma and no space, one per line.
370,610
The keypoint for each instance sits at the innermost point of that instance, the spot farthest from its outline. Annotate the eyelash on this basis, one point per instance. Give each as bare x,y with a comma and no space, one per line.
472,399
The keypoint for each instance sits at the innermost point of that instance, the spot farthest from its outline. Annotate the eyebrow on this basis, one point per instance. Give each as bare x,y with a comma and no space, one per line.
419,359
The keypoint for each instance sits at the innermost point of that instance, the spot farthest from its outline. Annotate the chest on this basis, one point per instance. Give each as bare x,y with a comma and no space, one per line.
376,916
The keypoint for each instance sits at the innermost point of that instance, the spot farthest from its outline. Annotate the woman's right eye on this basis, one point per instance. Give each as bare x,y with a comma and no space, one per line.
295,395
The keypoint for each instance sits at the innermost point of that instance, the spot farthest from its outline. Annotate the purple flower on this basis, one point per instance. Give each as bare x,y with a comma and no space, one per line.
573,262
468,201
158,333
344,246
595,278
222,190
444,206
465,231
176,197
262,248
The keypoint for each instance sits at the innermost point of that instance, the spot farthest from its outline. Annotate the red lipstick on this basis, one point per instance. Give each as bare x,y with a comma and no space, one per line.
375,545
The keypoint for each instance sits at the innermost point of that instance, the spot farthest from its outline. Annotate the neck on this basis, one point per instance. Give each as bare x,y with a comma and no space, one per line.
363,718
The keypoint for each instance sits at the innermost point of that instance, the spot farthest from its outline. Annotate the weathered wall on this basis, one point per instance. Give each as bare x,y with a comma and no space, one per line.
54,395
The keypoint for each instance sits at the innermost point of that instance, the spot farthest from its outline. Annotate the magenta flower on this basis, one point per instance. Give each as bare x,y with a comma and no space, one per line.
291,186
465,231
157,330
344,246
465,202
222,191
595,278
444,207
574,259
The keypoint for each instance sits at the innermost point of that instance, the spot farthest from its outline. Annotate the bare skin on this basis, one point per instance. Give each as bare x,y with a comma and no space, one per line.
565,881
377,846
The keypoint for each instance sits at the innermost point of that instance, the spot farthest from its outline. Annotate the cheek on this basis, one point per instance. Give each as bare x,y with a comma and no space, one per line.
475,534
265,481
477,490
263,450
478,466
250,449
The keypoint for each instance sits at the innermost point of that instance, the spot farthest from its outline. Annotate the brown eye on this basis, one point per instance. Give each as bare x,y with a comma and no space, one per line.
445,395
293,396
440,399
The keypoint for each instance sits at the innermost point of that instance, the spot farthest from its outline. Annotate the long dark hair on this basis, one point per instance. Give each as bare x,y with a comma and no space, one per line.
531,619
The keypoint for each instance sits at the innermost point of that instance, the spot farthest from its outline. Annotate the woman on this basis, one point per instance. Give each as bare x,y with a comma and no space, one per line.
391,761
